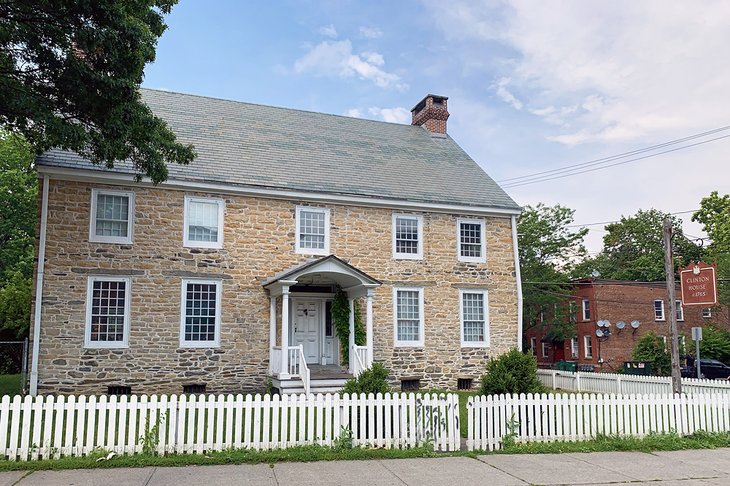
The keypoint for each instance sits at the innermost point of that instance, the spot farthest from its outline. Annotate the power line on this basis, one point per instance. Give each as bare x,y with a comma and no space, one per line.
618,220
576,172
618,156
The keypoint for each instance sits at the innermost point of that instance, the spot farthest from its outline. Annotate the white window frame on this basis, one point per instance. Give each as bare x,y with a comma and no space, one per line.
545,350
574,351
409,256
124,240
706,312
533,345
586,309
409,344
483,247
183,296
588,346
312,251
474,344
187,243
663,317
124,343
680,310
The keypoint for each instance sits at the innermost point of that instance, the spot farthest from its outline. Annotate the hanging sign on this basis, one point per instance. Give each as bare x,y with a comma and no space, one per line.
699,284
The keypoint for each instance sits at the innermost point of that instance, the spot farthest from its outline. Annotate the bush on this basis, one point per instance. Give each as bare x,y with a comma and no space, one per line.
372,380
513,372
652,348
715,344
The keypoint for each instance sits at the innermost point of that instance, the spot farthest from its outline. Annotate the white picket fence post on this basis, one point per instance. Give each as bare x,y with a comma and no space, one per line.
45,427
544,418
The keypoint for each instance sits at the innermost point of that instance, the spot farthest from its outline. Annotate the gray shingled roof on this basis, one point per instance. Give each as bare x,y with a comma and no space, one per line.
279,148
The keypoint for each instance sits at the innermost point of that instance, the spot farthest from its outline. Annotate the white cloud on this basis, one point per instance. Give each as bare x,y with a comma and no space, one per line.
336,58
505,95
391,115
328,31
354,112
370,32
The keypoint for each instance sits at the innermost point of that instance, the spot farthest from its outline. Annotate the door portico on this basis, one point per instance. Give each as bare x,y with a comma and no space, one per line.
302,326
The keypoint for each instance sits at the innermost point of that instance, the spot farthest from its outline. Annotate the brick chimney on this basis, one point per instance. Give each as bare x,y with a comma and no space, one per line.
431,113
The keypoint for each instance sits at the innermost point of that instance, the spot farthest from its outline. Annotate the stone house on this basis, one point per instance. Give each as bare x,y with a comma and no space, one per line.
222,278
617,301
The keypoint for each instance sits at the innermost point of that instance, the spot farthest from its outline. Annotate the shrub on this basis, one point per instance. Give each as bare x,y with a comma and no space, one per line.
513,372
652,348
715,344
372,380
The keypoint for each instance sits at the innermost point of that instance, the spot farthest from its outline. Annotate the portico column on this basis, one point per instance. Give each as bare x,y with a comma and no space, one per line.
273,367
352,335
369,327
284,373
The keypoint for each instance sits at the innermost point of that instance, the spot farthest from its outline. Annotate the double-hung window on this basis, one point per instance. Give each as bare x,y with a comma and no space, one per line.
107,312
313,230
587,347
470,238
408,316
203,222
408,236
574,347
474,318
706,312
200,314
533,346
545,350
679,310
586,310
112,216
658,310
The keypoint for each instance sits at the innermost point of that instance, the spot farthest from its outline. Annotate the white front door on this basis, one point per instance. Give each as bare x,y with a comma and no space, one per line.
306,323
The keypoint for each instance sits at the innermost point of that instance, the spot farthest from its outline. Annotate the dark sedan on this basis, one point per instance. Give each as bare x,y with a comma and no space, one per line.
710,368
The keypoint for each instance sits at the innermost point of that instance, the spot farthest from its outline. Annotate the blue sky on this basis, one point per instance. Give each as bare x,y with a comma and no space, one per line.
532,85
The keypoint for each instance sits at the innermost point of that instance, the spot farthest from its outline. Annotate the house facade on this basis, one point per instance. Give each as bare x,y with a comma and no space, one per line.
596,300
223,278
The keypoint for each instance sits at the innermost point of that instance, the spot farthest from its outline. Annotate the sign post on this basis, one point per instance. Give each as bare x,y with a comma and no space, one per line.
697,337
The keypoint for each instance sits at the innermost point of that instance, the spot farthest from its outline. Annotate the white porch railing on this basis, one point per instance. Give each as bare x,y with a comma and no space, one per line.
360,357
303,369
275,360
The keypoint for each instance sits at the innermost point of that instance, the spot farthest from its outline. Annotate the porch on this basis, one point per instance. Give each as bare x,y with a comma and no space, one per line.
304,350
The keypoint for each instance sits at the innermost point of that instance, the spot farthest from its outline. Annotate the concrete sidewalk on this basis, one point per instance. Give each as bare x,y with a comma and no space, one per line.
685,468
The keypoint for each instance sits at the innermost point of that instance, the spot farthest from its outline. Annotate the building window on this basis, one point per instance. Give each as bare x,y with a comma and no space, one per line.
545,350
679,310
658,310
313,230
586,310
201,314
112,215
707,312
573,311
587,347
203,222
470,238
574,347
533,346
408,236
408,315
474,318
107,312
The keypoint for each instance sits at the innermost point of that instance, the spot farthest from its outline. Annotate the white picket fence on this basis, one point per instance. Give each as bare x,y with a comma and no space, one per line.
531,418
626,384
50,427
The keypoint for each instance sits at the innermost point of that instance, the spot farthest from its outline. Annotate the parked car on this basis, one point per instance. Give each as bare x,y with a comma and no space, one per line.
710,368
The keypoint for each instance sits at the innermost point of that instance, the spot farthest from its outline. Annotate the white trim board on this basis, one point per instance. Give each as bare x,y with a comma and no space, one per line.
84,175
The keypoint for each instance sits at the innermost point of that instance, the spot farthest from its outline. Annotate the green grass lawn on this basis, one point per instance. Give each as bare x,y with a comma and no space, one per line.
10,385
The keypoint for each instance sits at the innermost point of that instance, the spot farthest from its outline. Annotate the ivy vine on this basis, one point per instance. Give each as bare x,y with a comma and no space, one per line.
341,320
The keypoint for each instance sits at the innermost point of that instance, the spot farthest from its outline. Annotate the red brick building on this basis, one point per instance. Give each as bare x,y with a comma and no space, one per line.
612,300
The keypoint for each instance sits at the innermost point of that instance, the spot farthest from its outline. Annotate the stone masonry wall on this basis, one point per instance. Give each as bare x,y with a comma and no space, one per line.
258,243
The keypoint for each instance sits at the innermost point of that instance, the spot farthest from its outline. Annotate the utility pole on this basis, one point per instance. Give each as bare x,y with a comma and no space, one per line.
671,292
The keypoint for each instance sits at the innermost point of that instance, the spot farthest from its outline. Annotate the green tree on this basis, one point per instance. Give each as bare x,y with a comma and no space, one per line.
633,249
18,203
548,249
651,347
714,215
715,344
70,72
